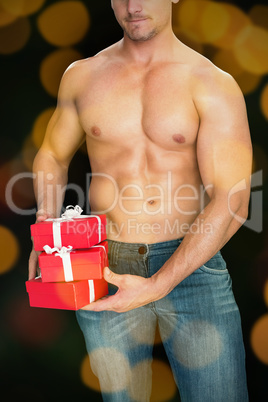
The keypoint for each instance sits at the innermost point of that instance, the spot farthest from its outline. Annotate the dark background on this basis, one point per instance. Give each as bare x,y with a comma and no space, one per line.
42,350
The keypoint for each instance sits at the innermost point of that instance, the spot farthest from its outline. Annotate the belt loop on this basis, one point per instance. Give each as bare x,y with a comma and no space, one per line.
113,252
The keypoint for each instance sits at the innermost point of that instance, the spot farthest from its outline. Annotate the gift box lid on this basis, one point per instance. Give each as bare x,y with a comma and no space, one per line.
81,226
92,255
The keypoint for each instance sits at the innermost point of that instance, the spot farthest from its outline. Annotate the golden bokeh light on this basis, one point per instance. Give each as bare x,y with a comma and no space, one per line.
21,7
40,125
53,67
88,377
13,37
214,22
251,49
119,378
264,101
210,23
187,18
259,15
5,17
204,340
248,82
9,249
226,60
259,338
237,21
163,386
161,389
64,23
139,387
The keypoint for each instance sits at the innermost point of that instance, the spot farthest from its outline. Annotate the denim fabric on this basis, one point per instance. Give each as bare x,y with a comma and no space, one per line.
199,323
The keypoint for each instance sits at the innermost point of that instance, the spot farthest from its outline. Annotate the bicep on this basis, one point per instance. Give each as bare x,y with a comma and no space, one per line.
224,149
64,134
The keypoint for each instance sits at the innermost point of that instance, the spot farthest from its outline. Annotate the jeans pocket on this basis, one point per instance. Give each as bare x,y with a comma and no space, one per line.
216,265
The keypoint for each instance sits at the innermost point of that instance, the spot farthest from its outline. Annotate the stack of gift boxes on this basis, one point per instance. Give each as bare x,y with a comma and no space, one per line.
74,252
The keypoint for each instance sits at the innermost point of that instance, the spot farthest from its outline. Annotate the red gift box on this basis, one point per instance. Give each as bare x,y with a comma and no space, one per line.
82,232
65,295
74,265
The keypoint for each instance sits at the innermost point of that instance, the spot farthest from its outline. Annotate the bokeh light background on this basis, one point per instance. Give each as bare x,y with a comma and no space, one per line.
42,351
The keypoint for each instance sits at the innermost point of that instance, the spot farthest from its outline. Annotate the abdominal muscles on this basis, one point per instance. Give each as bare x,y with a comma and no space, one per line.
147,202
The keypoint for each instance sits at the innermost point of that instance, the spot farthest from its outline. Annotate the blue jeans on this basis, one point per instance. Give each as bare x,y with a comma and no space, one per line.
198,321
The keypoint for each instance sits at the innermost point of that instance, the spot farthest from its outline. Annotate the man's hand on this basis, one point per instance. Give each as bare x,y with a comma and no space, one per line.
133,292
33,259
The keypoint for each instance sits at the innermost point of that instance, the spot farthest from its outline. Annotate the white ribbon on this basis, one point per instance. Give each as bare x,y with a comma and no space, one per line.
64,254
56,234
91,291
100,245
99,225
50,250
70,213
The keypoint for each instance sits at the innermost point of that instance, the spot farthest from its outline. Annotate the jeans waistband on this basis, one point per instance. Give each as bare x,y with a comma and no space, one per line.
141,251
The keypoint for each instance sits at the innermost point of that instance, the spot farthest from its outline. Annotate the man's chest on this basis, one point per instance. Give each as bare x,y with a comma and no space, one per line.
121,107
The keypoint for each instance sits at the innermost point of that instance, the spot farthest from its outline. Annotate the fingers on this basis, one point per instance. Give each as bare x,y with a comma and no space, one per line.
33,264
41,217
111,277
105,303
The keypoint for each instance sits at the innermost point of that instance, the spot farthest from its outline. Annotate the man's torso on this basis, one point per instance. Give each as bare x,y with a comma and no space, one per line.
141,128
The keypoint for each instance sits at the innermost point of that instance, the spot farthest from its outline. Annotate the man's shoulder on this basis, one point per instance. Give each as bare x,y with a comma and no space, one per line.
83,72
212,86
91,64
209,77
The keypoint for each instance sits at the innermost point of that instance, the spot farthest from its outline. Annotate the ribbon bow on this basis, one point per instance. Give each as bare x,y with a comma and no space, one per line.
64,254
60,251
72,212
63,251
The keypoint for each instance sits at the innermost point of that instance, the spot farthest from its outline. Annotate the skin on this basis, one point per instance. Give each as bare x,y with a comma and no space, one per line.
160,121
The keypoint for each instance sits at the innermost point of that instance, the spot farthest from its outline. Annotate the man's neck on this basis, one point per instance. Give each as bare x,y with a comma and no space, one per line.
159,48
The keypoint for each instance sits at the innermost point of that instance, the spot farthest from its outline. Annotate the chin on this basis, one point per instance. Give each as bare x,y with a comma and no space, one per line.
141,37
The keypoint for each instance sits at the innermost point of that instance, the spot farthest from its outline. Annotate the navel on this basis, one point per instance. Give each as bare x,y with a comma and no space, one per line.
96,131
180,139
151,202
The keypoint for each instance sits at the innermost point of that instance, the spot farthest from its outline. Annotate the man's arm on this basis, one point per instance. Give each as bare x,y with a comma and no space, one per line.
63,137
224,156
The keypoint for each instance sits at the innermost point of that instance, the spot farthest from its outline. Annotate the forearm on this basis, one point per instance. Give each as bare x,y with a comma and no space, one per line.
195,249
50,179
210,231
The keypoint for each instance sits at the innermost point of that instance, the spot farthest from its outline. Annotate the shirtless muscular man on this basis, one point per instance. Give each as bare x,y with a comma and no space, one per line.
169,147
